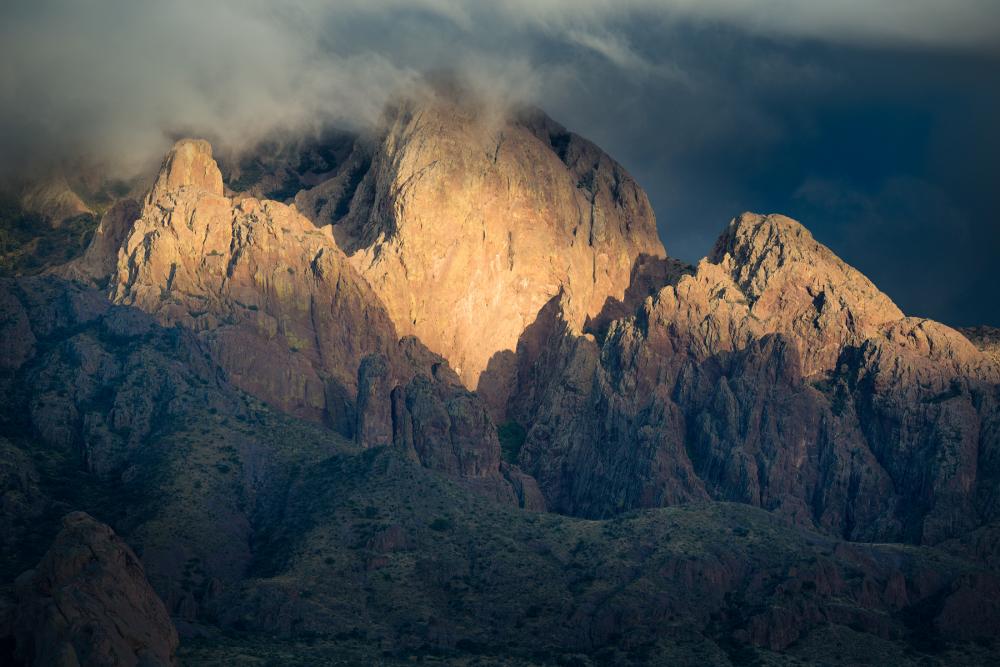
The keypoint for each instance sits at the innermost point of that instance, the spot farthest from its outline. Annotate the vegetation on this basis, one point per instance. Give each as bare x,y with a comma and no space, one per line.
294,546
512,436
30,244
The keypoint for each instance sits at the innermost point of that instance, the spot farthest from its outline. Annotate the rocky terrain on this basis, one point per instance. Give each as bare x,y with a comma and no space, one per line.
773,375
466,223
267,537
985,338
437,393
48,216
88,603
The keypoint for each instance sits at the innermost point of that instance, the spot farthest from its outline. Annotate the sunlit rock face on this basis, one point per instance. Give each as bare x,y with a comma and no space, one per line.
772,373
284,313
466,221
798,287
291,322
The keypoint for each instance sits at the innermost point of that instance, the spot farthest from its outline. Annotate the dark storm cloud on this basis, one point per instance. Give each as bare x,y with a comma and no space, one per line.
872,122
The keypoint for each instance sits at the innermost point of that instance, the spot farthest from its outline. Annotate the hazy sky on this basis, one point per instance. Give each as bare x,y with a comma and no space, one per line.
873,122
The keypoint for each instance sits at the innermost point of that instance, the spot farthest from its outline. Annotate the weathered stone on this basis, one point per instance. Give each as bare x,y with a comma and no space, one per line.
466,222
88,603
275,299
773,375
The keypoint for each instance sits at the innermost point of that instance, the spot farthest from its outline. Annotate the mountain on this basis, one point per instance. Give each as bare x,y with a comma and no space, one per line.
48,216
774,375
465,223
269,537
438,393
88,602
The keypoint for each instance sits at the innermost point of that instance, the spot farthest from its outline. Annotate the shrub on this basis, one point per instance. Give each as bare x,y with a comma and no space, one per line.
512,436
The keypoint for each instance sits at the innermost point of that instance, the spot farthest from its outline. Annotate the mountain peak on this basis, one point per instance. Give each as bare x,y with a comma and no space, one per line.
467,222
189,164
797,286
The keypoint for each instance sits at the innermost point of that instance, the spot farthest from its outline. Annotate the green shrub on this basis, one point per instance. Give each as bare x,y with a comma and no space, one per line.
441,524
512,436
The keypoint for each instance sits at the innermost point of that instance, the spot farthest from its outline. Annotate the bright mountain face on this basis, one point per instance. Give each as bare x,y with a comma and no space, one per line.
411,405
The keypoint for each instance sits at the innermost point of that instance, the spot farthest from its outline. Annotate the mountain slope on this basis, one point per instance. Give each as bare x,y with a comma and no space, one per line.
268,536
234,385
465,222
88,602
774,375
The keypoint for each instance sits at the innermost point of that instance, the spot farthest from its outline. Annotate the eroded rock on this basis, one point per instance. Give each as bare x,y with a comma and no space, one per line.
88,603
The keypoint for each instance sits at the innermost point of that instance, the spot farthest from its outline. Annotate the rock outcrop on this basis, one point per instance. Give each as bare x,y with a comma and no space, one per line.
100,258
466,222
23,506
109,399
985,338
88,603
273,296
798,288
290,321
774,375
54,200
456,249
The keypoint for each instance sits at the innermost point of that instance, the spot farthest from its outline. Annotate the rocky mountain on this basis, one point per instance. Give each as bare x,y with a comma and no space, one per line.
437,392
48,215
88,603
268,537
465,223
773,375
985,338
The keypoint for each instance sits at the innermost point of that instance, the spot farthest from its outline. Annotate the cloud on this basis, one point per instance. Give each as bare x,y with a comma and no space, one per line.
716,106
116,77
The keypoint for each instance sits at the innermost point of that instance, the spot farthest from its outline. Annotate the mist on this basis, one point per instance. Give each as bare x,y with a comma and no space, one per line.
873,122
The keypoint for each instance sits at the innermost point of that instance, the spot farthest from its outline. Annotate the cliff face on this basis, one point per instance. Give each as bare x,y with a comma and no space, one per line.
773,375
466,222
274,297
290,321
88,603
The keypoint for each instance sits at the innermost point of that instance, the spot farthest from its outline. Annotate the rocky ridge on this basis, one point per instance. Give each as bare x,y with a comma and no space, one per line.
774,375
277,305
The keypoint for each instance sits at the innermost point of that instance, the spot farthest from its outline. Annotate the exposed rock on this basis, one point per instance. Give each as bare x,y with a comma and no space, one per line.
799,288
88,603
465,223
280,167
188,167
275,299
771,375
416,403
54,200
985,338
22,506
98,262
107,397
774,375
290,321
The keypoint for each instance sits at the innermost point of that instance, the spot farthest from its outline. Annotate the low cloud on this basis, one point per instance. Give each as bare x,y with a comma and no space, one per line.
717,106
114,79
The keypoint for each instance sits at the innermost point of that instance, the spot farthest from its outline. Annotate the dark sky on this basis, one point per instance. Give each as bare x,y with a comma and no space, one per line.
872,122
888,155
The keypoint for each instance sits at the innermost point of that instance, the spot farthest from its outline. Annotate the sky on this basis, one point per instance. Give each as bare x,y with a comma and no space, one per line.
872,122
